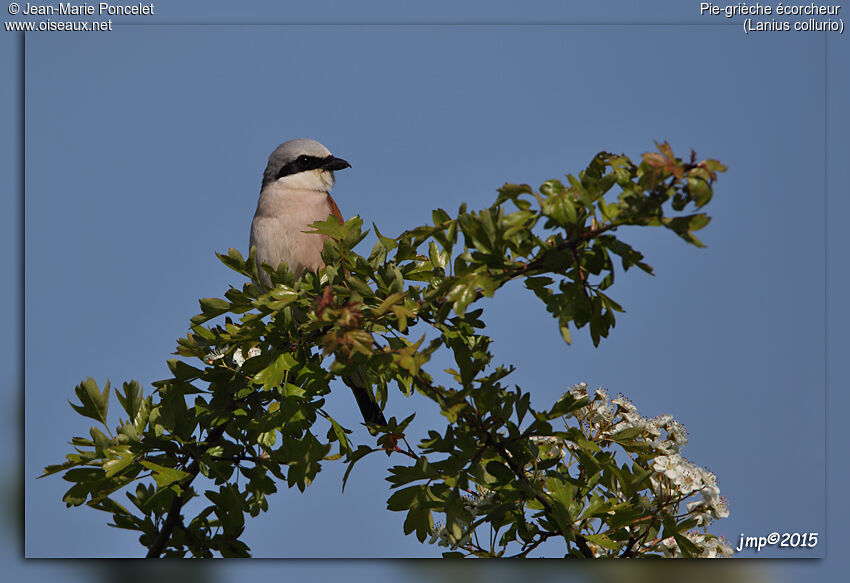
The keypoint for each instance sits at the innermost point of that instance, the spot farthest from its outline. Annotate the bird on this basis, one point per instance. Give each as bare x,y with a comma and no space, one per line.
295,192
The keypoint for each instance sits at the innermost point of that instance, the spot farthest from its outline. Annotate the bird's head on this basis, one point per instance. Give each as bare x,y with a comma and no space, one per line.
303,164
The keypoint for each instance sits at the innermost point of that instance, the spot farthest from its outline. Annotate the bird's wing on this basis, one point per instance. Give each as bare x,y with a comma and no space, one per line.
335,209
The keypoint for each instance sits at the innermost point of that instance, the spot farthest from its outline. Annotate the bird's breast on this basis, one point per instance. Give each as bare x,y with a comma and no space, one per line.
277,231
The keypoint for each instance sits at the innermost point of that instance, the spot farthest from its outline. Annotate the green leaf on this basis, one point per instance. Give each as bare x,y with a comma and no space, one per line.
212,307
273,374
462,294
338,432
565,405
406,498
625,516
76,495
580,190
390,300
564,328
109,505
688,548
94,404
627,434
361,452
101,442
559,206
330,227
388,243
500,471
118,458
131,400
419,520
512,192
603,541
183,371
235,261
165,476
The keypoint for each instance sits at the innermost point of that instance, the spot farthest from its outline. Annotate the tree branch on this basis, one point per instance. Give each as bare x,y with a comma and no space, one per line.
173,518
519,472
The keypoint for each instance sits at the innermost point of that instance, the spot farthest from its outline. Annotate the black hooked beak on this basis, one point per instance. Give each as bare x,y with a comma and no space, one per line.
334,163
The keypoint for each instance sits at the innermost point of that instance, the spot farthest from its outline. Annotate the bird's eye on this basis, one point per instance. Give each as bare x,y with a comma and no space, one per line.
303,159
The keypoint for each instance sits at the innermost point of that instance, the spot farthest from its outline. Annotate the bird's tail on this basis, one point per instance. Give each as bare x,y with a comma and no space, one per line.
365,400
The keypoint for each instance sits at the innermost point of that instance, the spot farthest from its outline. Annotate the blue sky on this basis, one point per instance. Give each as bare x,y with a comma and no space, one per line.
145,147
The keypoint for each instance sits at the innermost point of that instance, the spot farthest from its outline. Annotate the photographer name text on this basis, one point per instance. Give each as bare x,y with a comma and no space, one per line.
86,9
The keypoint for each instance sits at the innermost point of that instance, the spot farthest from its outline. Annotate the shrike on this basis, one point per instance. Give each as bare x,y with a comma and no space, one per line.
296,192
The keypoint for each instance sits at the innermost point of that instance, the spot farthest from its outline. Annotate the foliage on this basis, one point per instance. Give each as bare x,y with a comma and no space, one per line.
253,404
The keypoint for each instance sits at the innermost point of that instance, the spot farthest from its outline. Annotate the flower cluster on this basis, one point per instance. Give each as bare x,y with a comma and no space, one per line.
605,416
478,503
675,478
441,536
712,546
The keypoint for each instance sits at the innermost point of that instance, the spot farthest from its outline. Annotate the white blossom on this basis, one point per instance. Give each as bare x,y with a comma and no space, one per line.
664,446
711,546
656,485
669,465
670,548
215,354
709,479
579,391
624,405
441,535
479,501
715,502
652,428
688,480
239,359
677,432
701,512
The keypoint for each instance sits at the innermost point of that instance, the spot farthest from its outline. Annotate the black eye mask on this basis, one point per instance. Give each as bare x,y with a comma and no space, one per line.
304,163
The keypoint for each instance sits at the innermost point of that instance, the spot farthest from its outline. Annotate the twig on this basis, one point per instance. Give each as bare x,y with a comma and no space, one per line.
627,552
173,517
579,540
530,547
